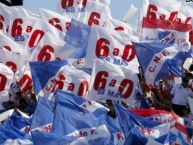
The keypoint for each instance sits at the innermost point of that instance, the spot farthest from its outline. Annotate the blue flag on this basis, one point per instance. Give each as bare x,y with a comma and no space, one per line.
141,130
159,61
76,120
78,36
15,127
43,116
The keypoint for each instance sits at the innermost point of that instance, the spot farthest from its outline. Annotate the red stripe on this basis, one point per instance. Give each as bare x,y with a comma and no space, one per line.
149,112
182,129
165,24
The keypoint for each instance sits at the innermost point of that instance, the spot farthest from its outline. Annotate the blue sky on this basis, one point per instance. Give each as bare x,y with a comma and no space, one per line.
118,7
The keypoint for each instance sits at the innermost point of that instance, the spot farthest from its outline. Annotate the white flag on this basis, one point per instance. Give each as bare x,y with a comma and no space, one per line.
57,20
48,43
109,81
6,43
22,22
111,46
166,22
6,78
5,17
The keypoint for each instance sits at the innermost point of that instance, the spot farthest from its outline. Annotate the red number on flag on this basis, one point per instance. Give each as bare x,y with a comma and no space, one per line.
100,80
1,22
191,37
29,29
125,93
129,53
119,28
151,12
12,66
35,38
101,48
46,53
67,3
84,3
94,19
16,28
25,83
56,23
3,81
67,25
83,88
6,47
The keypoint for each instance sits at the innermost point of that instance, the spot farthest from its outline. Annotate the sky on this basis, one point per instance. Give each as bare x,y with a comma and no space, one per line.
118,7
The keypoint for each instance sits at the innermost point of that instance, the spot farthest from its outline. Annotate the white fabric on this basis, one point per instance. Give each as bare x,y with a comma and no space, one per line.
55,19
6,114
111,77
93,13
47,49
165,10
71,76
116,46
28,20
181,94
8,44
5,12
6,79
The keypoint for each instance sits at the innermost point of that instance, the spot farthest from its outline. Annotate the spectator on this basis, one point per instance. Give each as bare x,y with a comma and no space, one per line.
149,95
180,93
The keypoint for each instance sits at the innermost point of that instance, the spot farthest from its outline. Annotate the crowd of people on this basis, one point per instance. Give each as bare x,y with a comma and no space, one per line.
166,95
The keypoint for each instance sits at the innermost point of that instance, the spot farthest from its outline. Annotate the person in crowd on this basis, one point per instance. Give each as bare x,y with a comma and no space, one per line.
163,96
181,93
25,102
15,94
149,95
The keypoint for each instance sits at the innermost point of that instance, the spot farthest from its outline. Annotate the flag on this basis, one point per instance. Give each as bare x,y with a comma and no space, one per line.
18,123
160,61
42,46
113,24
21,25
24,78
109,81
18,63
8,44
112,46
85,124
78,36
5,13
166,22
92,13
43,116
145,130
130,13
177,133
13,60
139,129
62,23
60,75
6,79
15,130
